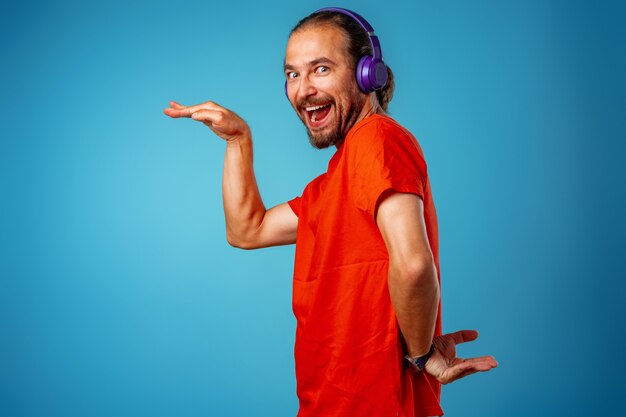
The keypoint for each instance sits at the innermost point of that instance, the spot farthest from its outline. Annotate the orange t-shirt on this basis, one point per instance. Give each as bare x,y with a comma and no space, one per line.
349,349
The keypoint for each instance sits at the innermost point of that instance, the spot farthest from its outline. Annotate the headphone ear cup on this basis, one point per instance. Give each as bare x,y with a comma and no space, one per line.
371,74
362,74
380,73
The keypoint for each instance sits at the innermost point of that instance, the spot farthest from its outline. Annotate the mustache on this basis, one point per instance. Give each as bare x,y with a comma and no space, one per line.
314,102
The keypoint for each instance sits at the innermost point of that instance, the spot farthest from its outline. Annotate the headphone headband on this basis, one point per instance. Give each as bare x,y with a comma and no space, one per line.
377,52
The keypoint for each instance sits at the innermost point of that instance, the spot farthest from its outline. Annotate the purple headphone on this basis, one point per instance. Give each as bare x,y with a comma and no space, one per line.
371,71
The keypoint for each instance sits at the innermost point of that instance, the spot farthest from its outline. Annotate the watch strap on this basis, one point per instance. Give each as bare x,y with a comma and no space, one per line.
418,363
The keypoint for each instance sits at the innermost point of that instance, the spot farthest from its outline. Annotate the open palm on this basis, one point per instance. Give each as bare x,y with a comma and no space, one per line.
447,367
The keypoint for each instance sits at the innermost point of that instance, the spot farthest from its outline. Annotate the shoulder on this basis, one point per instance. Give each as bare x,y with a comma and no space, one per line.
379,135
375,127
381,155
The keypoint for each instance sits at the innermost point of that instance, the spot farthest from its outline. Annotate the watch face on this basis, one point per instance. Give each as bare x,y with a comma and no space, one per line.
411,364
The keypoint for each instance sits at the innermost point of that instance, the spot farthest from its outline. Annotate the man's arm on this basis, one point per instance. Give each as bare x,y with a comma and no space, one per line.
414,290
413,283
248,224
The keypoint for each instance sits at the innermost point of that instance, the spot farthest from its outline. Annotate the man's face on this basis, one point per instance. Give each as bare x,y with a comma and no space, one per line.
321,85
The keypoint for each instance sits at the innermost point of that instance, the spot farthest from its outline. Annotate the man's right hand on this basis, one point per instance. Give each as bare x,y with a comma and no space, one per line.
248,224
225,123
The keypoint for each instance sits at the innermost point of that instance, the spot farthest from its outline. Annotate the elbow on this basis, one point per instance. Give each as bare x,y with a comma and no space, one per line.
238,242
419,273
235,243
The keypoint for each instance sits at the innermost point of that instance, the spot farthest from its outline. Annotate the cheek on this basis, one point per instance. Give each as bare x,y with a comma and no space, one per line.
346,89
337,84
290,93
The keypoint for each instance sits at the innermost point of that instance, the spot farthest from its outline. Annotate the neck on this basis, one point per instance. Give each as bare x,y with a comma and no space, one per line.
370,107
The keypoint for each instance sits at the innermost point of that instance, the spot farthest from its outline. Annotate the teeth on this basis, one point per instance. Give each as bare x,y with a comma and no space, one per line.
315,107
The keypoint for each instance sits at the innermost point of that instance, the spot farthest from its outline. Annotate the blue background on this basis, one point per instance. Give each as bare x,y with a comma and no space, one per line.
119,295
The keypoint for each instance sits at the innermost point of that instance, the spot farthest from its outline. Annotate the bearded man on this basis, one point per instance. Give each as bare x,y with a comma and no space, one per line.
366,286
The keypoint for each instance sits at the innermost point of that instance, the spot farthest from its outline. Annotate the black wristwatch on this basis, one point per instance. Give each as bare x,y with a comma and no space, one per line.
417,363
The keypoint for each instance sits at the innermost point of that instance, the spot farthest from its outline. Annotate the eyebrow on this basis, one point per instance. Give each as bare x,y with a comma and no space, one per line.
316,61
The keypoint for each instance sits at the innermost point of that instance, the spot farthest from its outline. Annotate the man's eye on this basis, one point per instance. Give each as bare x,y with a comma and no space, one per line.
322,69
292,74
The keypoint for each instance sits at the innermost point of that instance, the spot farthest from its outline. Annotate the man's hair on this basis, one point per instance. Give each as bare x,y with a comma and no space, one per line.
358,44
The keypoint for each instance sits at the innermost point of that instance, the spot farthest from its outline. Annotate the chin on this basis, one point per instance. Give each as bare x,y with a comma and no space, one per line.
324,140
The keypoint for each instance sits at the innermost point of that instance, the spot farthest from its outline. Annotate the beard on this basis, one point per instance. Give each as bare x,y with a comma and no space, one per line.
325,139
345,117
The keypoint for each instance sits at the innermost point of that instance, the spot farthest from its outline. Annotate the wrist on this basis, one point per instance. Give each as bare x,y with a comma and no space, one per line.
418,363
245,135
416,352
242,139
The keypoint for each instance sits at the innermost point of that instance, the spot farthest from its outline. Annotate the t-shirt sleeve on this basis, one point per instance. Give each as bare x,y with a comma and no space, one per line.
383,157
295,205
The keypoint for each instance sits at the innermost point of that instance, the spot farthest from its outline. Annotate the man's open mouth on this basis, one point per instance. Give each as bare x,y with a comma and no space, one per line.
317,114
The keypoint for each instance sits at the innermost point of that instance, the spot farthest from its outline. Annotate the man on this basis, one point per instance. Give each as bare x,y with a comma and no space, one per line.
366,280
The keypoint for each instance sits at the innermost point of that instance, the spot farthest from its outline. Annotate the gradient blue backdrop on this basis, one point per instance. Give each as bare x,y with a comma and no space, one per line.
119,295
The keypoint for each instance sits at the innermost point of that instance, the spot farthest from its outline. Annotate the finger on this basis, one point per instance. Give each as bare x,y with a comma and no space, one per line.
182,111
175,113
177,110
208,116
208,105
468,367
463,336
482,363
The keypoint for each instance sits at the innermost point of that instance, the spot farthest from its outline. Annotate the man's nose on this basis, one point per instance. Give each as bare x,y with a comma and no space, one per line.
306,88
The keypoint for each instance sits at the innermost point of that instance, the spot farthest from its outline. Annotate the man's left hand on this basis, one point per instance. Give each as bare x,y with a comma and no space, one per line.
446,367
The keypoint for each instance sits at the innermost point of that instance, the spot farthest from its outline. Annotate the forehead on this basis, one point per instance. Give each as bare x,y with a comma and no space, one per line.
310,43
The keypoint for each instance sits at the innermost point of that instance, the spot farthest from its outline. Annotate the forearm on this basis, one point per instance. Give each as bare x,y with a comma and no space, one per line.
248,224
243,206
414,292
